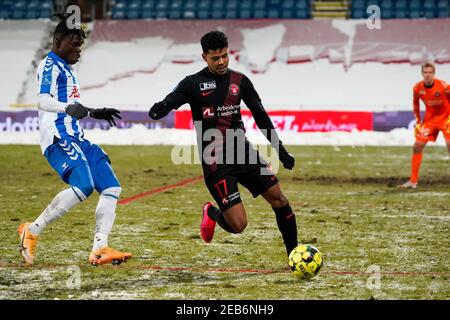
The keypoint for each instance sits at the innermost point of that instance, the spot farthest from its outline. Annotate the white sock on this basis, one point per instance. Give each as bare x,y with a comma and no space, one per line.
105,214
63,202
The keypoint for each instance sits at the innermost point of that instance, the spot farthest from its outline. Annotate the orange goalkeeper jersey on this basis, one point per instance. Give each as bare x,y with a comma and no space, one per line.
436,99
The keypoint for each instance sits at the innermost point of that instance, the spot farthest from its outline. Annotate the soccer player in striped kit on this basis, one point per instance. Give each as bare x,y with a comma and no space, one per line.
84,166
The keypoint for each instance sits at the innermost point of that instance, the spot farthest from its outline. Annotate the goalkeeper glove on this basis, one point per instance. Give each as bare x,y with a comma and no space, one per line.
77,110
159,110
286,158
107,114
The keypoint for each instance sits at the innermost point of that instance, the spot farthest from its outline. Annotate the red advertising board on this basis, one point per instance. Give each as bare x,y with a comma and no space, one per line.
298,121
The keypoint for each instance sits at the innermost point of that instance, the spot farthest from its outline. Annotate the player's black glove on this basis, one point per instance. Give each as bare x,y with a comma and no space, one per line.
107,114
77,110
286,158
159,110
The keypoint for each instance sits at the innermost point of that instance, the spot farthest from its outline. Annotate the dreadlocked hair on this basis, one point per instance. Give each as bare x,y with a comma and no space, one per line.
62,29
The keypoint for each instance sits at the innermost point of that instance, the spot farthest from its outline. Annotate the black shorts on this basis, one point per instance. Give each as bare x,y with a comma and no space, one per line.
223,184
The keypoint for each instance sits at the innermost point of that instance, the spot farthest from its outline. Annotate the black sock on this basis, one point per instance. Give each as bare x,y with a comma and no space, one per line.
217,215
288,226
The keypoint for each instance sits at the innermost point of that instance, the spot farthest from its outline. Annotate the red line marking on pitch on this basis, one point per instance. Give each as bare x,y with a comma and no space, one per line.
160,189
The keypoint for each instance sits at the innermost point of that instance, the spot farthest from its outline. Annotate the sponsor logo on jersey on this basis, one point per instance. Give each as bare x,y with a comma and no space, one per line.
208,112
204,86
224,111
234,89
204,94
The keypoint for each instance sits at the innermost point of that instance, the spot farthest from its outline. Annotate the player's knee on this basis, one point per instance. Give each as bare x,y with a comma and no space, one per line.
279,201
113,192
239,226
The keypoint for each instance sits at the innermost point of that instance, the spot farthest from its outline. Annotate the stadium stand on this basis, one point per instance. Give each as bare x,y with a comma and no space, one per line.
21,9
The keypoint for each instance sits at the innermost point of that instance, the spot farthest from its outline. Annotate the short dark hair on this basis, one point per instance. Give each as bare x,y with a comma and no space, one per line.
429,64
62,30
214,40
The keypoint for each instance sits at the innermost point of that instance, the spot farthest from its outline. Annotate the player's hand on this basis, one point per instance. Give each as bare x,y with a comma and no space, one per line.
107,114
417,129
447,126
159,110
77,110
286,158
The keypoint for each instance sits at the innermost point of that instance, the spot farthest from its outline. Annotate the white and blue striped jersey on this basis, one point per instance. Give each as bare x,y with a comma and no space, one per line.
57,78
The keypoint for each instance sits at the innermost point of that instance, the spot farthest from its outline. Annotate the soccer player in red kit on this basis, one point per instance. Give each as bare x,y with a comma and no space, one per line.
435,94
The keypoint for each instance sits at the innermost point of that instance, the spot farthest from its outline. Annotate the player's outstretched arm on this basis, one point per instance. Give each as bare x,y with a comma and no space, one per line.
107,114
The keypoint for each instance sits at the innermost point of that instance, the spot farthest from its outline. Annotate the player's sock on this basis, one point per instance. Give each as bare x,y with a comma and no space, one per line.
415,166
105,214
63,202
288,226
217,215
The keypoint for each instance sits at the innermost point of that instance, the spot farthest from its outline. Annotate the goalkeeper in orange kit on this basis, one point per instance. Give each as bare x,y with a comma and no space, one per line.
435,94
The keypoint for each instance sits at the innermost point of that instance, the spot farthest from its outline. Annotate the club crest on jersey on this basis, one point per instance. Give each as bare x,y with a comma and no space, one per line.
234,89
208,86
75,93
208,112
437,94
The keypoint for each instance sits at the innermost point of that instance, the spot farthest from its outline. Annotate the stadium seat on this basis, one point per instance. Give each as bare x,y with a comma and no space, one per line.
387,13
245,14
175,14
32,14
148,13
204,5
116,14
190,5
302,14
287,5
218,5
302,4
287,14
259,5
217,14
358,13
203,14
45,14
246,5
133,14
4,14
18,14
429,9
148,4
161,14
442,8
162,5
273,13
259,14
358,4
230,14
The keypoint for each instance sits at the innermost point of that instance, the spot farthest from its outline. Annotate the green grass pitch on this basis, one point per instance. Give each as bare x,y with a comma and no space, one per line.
378,242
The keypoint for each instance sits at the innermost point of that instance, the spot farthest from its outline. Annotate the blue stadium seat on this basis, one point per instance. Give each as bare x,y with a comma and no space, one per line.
273,13
246,5
161,14
45,13
147,13
175,14
358,4
245,14
162,5
442,8
204,5
32,14
231,14
415,9
218,5
188,15
190,5
302,4
387,13
4,14
288,5
116,14
302,14
133,13
217,14
203,14
401,9
358,13
259,14
134,5
18,14
259,4
231,5
373,3
287,13
415,14
148,4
